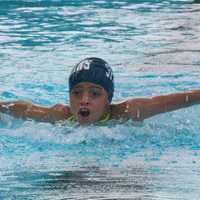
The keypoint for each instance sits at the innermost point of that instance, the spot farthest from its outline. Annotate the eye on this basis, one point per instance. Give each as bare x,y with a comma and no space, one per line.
76,93
95,93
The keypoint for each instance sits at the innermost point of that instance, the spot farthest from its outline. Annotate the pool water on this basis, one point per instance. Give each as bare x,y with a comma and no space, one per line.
153,48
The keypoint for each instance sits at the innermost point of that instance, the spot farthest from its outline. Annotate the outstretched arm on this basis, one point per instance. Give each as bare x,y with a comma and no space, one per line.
142,108
25,110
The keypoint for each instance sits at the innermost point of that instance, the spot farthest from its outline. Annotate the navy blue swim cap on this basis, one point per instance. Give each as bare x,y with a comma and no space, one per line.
94,70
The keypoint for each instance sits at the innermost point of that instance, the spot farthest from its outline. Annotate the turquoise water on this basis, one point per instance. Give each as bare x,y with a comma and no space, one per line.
153,47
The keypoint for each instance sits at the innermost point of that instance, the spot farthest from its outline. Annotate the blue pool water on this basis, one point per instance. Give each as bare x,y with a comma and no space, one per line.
153,47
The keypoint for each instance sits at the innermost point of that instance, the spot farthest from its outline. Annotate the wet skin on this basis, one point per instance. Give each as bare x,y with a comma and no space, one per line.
88,102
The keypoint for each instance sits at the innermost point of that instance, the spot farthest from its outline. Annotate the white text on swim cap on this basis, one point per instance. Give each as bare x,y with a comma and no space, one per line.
109,74
85,65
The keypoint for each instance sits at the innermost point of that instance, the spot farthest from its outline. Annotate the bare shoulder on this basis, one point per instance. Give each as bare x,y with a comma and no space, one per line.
60,111
129,109
61,108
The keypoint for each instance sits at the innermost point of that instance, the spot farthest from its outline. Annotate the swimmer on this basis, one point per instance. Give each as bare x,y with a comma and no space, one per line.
91,90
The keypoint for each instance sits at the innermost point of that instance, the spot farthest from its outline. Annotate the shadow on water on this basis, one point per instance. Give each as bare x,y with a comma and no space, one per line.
85,183
196,1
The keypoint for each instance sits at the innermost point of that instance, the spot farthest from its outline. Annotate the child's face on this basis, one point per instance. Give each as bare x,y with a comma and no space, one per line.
88,102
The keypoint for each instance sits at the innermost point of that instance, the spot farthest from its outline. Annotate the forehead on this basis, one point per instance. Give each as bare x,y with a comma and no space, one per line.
88,85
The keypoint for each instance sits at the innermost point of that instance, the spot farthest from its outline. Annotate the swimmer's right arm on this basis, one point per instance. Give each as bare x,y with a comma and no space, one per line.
26,110
142,108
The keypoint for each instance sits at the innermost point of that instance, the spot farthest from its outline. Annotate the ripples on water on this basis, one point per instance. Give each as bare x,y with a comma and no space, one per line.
153,47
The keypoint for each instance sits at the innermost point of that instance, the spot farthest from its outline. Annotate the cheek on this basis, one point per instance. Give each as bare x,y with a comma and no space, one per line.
73,104
101,106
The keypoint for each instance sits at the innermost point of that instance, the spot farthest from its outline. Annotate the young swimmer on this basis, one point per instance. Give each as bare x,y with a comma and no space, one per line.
91,90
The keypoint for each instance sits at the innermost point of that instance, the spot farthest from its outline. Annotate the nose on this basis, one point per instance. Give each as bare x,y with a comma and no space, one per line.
85,99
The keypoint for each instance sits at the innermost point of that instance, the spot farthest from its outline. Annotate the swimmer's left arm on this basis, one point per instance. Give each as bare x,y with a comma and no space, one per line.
142,108
26,110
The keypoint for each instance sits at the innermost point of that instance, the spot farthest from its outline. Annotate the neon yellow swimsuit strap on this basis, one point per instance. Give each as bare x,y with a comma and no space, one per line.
105,119
71,118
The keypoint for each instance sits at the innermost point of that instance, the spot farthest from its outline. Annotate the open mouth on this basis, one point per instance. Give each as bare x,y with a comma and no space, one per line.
84,112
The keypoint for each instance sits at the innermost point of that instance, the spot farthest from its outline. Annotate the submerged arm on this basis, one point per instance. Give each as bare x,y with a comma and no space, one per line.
28,110
142,108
